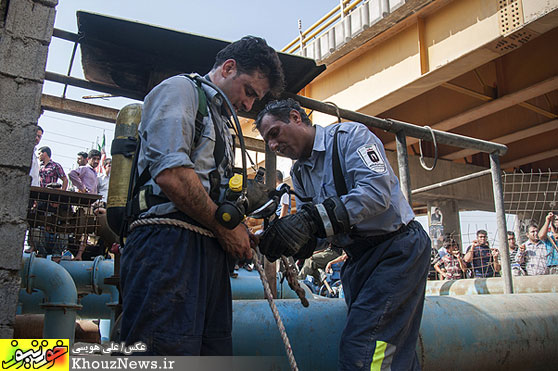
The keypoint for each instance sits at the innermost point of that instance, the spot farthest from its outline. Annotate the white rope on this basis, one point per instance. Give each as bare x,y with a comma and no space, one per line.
280,326
173,222
267,290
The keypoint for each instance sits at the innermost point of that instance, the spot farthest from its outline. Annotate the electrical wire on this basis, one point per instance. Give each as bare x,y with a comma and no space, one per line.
68,136
82,123
65,144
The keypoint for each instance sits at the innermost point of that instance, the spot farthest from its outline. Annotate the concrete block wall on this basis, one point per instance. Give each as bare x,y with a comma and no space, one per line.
25,32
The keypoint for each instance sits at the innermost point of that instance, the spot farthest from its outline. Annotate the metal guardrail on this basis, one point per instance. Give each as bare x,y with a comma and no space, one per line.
322,25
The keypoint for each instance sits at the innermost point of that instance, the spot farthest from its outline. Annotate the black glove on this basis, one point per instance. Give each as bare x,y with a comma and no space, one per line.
290,234
286,236
307,250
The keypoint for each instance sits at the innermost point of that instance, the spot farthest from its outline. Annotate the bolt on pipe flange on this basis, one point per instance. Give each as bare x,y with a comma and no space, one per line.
62,306
27,270
94,276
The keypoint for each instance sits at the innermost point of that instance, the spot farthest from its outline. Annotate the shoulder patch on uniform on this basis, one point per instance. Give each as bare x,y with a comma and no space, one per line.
372,158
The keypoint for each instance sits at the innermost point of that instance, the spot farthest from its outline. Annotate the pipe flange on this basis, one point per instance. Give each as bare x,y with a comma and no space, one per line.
62,306
27,273
94,276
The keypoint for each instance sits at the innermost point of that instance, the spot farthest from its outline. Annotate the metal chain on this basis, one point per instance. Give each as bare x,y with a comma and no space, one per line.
257,264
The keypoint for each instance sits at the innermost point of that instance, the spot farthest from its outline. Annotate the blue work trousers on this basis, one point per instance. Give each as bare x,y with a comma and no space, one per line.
384,284
176,293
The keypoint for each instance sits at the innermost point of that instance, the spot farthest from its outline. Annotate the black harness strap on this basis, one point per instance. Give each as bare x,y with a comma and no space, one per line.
218,155
338,179
340,184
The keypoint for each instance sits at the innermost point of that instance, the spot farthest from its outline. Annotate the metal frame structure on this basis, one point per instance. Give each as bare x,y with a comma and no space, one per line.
402,130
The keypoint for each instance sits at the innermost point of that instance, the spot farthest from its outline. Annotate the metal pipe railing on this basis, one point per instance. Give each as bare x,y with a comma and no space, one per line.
403,164
451,181
395,126
501,222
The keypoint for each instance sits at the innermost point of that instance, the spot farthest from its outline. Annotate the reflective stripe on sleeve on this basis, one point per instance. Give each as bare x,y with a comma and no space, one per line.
325,220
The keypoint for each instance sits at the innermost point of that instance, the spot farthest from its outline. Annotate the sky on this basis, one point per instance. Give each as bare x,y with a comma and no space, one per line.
276,21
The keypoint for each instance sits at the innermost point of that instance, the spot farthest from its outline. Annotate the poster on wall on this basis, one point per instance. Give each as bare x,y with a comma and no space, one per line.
436,229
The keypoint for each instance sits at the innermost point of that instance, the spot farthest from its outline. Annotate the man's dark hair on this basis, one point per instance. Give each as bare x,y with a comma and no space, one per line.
252,54
482,231
281,110
279,176
449,241
510,233
40,128
532,225
94,153
46,150
82,154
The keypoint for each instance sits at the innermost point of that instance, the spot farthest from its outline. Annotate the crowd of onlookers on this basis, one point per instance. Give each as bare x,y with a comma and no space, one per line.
89,177
538,255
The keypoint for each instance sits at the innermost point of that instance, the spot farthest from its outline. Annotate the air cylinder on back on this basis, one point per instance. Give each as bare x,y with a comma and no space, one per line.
122,151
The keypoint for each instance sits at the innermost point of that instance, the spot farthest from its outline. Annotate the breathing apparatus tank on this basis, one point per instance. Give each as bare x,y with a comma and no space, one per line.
122,151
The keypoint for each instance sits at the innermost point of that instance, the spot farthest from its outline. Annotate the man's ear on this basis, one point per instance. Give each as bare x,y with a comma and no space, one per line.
295,117
228,68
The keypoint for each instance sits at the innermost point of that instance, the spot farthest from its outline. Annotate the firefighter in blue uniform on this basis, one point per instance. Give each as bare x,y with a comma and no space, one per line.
357,204
175,282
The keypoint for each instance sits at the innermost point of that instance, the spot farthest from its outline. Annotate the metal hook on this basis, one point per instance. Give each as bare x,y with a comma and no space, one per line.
336,110
422,163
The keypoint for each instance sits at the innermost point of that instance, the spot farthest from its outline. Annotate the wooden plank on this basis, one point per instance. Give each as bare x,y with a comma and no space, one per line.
252,144
79,109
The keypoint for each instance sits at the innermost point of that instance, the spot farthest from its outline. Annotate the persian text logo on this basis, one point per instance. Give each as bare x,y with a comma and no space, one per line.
51,354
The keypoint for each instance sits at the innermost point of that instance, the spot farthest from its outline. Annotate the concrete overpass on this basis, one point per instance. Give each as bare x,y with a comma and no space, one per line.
482,68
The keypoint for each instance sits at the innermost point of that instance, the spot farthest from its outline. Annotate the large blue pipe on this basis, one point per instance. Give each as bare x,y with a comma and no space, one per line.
93,306
478,332
248,286
60,295
313,332
89,278
482,286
